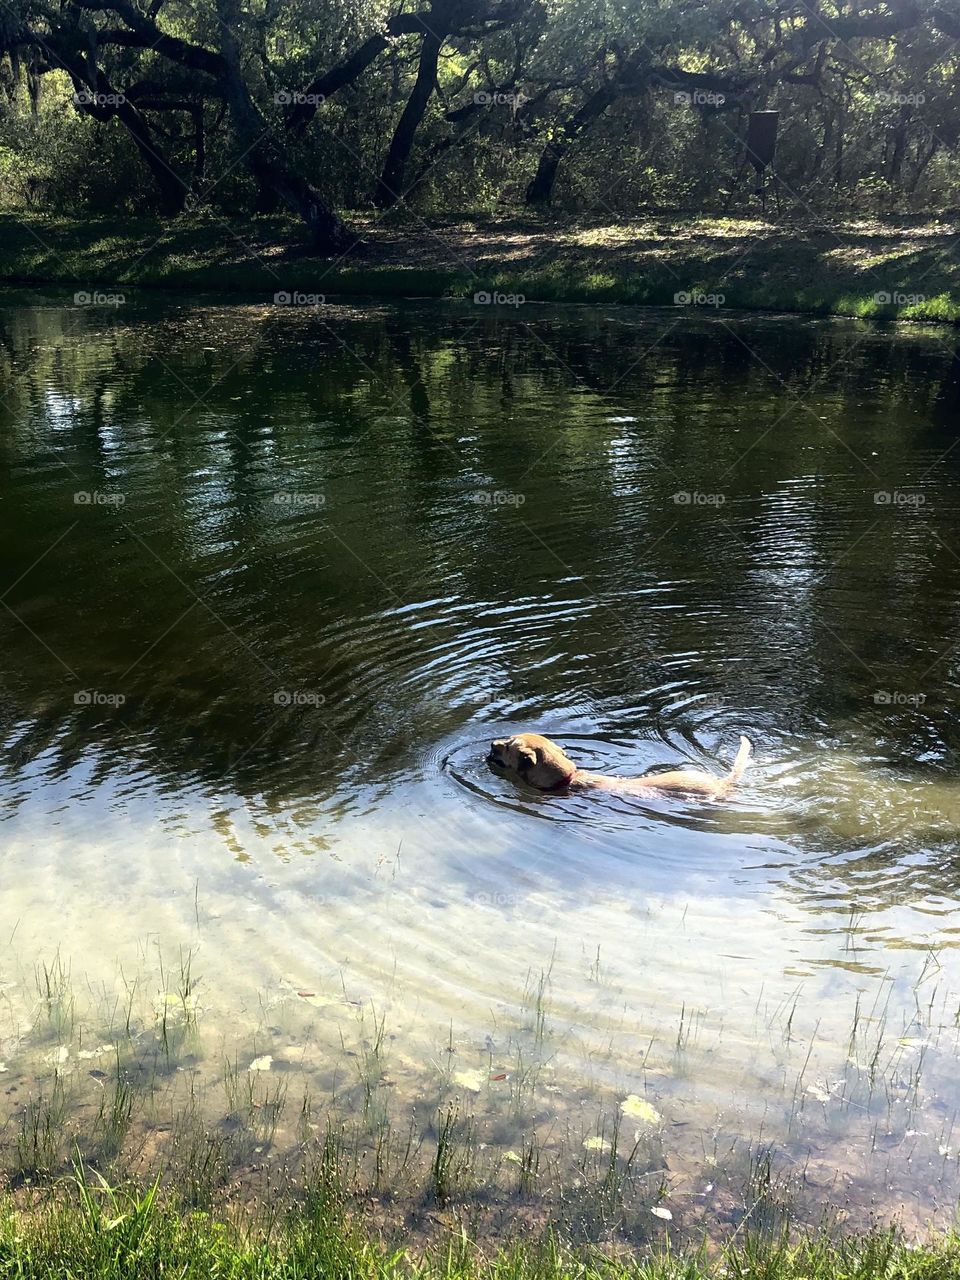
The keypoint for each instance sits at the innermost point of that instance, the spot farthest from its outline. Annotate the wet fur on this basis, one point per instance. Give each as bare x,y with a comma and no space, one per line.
540,763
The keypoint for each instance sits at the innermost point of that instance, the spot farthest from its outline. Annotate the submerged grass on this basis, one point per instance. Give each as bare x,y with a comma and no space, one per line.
139,1156
90,1229
871,270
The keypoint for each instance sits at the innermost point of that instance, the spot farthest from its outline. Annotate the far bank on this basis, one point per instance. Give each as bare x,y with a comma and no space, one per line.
866,269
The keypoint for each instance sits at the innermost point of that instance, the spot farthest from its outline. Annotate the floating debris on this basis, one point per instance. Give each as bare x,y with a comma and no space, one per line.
639,1109
471,1080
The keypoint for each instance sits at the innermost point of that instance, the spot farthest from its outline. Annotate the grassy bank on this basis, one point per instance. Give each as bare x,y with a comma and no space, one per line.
851,268
86,1229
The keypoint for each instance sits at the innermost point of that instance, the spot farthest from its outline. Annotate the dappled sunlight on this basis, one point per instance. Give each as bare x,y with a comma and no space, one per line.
259,878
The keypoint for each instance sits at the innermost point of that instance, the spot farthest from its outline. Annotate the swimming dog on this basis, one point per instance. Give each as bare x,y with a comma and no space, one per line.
540,763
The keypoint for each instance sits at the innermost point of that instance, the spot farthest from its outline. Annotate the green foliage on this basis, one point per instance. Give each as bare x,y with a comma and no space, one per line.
100,1232
869,120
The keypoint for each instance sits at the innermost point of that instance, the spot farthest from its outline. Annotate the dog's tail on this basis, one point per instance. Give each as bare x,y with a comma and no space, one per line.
739,763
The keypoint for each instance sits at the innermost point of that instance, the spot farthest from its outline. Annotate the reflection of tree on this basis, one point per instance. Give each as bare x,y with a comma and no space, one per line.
946,405
409,366
391,583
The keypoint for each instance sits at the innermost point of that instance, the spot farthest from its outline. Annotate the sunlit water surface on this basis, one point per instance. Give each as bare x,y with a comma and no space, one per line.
272,579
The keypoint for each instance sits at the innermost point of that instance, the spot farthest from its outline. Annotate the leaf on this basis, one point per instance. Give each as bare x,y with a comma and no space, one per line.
3,1067
98,1052
471,1080
57,1057
640,1109
596,1144
501,1075
512,1157
658,1211
261,1064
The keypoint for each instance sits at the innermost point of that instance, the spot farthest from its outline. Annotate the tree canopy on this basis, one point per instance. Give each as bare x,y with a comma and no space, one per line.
327,106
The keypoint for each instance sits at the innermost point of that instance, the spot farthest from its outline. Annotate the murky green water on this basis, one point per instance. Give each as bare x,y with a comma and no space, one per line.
273,577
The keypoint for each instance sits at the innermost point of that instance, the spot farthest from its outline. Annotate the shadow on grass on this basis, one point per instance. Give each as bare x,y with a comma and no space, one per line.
868,270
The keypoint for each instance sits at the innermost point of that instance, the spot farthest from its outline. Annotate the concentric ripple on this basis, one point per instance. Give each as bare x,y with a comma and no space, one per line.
248,687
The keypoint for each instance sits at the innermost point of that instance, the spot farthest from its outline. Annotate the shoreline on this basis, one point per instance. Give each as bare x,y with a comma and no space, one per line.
87,1227
691,264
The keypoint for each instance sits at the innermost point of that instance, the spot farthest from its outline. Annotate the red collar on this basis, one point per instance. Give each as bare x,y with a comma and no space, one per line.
565,782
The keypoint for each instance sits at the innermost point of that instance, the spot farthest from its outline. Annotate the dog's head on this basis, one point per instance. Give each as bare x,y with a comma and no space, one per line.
534,759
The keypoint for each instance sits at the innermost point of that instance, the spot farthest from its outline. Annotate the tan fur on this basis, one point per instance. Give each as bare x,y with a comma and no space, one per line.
542,764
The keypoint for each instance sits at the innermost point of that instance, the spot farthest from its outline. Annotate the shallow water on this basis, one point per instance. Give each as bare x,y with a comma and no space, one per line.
247,689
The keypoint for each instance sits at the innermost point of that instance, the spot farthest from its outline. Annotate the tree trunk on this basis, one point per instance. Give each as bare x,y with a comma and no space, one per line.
98,98
839,142
899,148
266,200
199,149
352,67
267,164
171,188
302,112
825,146
390,185
923,160
540,189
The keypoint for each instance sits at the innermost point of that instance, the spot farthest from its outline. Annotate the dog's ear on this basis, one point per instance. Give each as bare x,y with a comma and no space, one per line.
528,757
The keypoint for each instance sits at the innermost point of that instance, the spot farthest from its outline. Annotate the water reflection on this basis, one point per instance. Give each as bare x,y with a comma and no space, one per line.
411,520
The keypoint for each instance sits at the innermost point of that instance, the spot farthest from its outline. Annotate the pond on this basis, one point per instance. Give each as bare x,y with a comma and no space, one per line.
274,576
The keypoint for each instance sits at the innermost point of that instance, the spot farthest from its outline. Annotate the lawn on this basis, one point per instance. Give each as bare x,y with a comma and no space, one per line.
869,269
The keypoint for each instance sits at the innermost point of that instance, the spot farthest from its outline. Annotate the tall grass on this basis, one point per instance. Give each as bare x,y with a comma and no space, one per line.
95,1231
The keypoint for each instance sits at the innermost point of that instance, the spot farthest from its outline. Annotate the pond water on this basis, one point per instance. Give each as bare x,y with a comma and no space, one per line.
273,577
